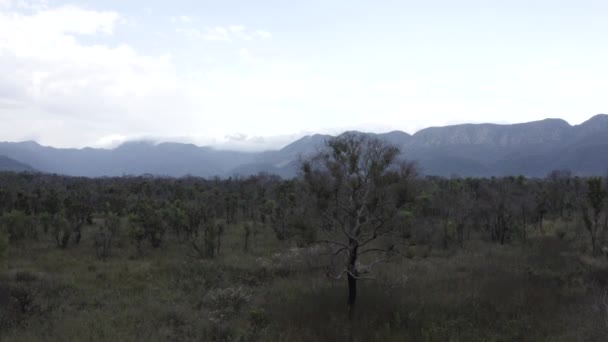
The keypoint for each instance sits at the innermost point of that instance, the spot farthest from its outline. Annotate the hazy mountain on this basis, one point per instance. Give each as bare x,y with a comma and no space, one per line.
532,149
8,164
285,161
132,158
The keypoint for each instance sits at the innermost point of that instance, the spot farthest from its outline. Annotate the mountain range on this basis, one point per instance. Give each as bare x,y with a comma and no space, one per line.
8,164
531,149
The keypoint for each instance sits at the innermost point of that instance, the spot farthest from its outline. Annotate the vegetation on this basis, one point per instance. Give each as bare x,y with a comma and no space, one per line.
253,259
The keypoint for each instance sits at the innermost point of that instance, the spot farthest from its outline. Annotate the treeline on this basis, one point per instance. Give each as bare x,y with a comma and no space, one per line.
439,212
152,211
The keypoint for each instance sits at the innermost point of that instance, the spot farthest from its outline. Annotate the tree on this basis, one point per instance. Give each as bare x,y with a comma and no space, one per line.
354,182
247,233
526,203
220,233
105,234
559,197
147,224
453,208
62,231
593,210
176,218
3,249
79,212
19,226
200,215
541,206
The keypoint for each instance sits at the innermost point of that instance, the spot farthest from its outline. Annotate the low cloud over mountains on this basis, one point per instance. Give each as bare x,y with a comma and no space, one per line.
531,149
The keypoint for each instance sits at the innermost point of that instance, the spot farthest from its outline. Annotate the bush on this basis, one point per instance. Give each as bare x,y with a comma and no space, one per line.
3,249
146,224
225,303
20,227
62,231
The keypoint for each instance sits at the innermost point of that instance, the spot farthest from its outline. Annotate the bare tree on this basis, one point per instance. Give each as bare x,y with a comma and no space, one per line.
594,210
355,182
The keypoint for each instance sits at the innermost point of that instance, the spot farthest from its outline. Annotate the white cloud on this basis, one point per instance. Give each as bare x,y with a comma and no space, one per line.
216,33
182,19
263,34
62,85
244,142
24,4
236,28
245,55
82,91
223,34
111,141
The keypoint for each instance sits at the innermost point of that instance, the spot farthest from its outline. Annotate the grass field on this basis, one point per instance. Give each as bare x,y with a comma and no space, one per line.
547,289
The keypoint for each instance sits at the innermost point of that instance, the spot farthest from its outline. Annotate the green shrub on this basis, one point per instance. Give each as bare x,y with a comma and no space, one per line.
20,227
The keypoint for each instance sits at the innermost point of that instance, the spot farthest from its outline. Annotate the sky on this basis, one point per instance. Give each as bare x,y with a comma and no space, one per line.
255,75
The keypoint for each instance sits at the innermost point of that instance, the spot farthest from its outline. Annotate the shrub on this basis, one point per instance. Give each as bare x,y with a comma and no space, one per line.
62,231
225,303
258,320
146,224
3,249
20,227
27,295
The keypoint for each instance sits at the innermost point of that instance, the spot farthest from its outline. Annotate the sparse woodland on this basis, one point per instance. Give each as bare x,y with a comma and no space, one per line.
359,247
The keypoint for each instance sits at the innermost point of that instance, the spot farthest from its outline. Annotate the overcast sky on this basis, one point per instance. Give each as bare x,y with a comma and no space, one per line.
257,74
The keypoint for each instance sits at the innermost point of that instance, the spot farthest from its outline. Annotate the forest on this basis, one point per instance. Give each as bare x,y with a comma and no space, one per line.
358,247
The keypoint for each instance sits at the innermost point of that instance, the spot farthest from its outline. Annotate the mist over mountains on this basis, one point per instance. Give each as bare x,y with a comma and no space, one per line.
531,149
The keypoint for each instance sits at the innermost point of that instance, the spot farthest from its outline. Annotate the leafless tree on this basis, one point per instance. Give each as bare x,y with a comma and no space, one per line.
356,182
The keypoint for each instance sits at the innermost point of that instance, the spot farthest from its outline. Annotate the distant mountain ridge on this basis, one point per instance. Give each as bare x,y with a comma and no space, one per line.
8,164
531,149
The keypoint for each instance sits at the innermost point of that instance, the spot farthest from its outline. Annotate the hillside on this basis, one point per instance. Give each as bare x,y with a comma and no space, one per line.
531,149
8,164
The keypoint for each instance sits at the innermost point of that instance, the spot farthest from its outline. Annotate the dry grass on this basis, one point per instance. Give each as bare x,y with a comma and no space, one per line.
543,290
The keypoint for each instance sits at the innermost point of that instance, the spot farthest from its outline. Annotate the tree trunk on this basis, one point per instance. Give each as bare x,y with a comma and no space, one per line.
460,230
523,216
352,295
503,229
352,278
246,245
445,235
220,231
77,234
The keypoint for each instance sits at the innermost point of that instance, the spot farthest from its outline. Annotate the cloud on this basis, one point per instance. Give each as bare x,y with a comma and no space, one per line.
263,34
24,4
223,33
244,142
63,84
182,19
76,92
56,22
236,137
111,141
245,55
